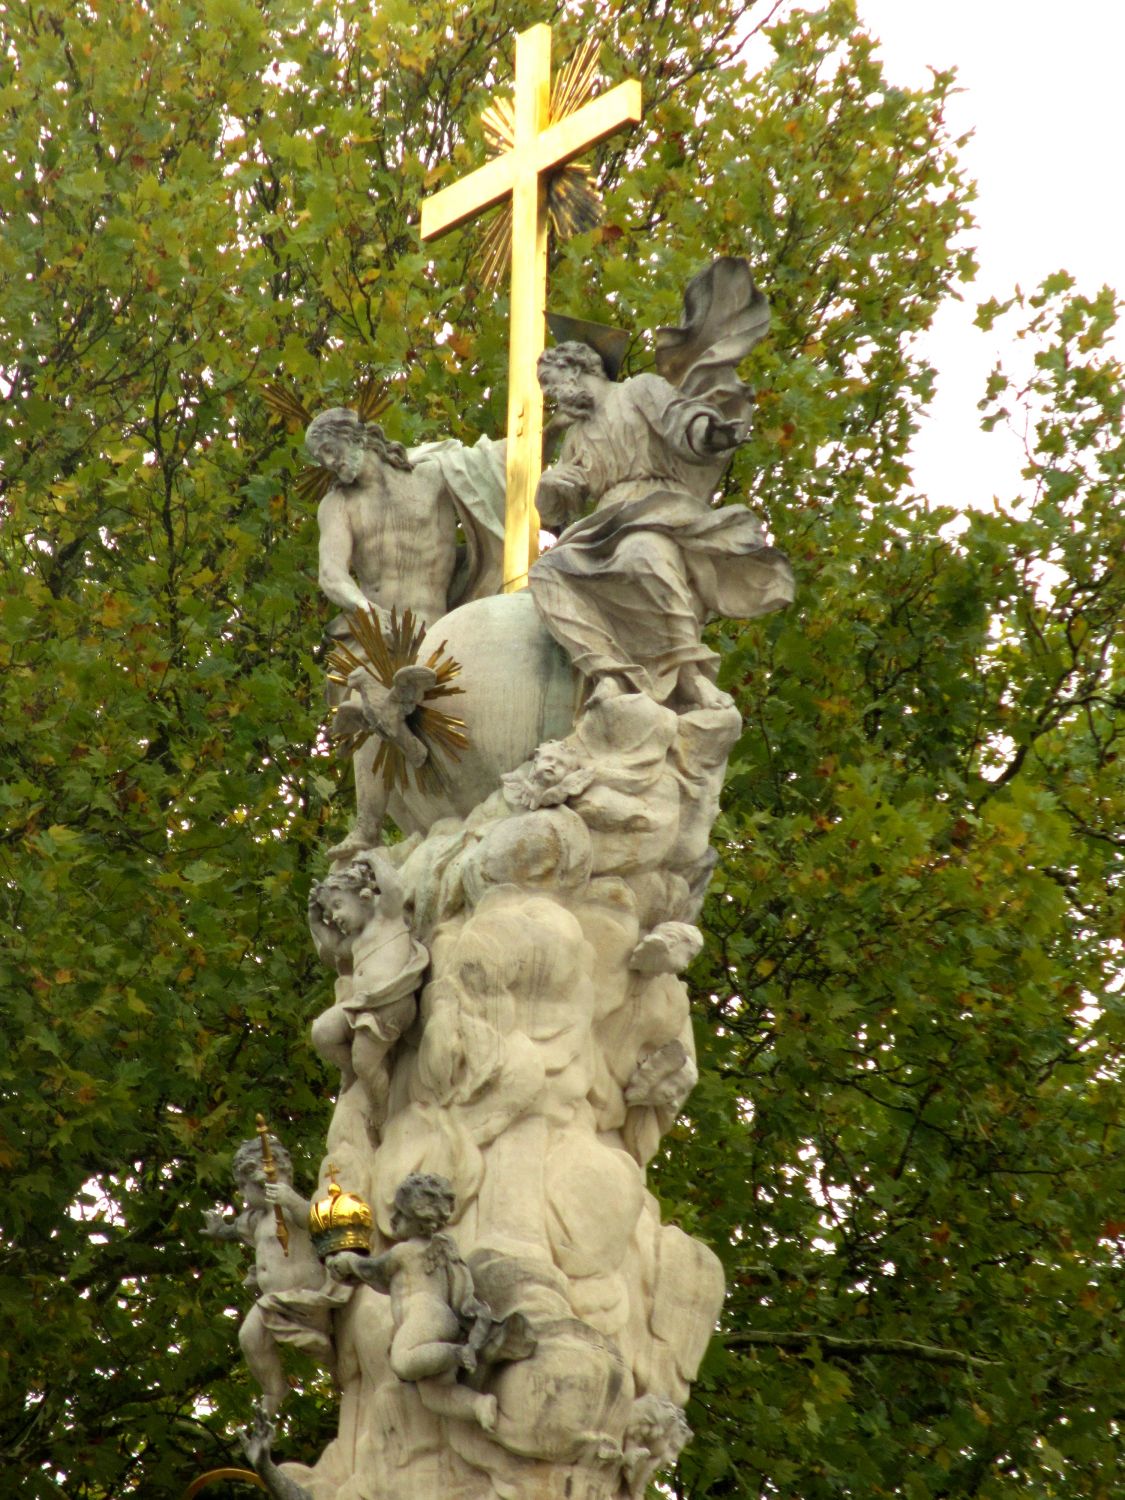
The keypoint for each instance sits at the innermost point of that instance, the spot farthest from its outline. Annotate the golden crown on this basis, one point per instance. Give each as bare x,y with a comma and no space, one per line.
340,1221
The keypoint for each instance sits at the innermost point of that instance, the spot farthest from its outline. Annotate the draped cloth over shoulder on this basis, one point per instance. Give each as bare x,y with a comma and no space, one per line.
627,589
477,483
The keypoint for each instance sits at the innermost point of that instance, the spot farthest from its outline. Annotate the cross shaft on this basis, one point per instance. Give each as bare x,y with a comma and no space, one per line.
540,147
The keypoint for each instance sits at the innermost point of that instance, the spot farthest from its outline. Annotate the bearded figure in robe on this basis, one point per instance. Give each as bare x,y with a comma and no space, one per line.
629,585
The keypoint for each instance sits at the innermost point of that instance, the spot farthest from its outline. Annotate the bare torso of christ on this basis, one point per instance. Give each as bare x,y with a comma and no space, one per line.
389,540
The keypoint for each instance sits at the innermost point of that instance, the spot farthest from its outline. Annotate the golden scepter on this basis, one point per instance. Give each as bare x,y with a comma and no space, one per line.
269,1166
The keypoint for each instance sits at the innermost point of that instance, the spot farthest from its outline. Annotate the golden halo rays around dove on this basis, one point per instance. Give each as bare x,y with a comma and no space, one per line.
397,696
573,203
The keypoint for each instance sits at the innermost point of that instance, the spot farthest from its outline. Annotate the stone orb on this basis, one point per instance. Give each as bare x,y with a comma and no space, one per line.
518,689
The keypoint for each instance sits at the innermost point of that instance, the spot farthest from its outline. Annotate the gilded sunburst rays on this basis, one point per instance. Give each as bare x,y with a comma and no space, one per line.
314,481
573,203
382,655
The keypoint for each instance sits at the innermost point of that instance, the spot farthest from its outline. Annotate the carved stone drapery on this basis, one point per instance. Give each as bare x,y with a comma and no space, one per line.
509,1018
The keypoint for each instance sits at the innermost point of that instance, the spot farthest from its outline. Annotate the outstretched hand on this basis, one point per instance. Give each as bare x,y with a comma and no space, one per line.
257,1439
214,1223
344,1265
710,434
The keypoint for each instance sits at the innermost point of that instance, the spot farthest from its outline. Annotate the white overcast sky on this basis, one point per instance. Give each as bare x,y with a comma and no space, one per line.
1044,94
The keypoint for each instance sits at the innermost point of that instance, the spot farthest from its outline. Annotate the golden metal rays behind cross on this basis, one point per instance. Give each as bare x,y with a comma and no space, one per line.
542,135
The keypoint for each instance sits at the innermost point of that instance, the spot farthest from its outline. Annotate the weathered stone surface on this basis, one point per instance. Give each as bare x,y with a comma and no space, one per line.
629,585
389,524
357,924
517,690
389,530
545,1062
509,1023
294,1296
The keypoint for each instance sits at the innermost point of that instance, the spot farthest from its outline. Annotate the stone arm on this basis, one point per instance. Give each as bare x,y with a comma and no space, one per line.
471,1309
375,1270
693,429
477,1317
331,947
392,892
293,1206
708,435
217,1226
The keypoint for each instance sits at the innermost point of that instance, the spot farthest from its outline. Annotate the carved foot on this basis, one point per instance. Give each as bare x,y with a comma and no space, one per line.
607,686
411,746
694,691
487,1413
362,837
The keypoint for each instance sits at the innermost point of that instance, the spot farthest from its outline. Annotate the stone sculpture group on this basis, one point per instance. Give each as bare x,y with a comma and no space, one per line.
509,1027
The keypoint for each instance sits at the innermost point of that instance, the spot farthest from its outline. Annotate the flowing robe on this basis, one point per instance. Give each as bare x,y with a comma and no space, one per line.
627,589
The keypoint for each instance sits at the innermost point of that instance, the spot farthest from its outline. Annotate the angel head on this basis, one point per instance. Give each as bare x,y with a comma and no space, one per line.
249,1171
557,771
340,440
570,375
659,1425
345,900
423,1206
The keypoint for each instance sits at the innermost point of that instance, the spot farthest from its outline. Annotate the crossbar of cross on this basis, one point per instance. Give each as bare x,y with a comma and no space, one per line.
541,146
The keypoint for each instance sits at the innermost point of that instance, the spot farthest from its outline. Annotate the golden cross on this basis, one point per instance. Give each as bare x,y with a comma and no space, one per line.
541,145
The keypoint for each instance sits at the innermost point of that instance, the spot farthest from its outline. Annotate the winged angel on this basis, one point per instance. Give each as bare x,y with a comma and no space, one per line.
628,587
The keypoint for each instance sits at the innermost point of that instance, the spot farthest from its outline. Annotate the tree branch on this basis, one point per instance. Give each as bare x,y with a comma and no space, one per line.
856,1348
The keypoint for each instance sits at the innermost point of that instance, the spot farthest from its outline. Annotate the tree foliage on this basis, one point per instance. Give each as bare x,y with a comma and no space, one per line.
906,1141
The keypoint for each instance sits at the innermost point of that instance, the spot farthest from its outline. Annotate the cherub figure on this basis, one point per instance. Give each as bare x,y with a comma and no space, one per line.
357,922
441,1326
555,773
295,1297
654,1438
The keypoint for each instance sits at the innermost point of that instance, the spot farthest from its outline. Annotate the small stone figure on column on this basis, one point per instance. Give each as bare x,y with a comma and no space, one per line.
357,923
295,1297
441,1327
